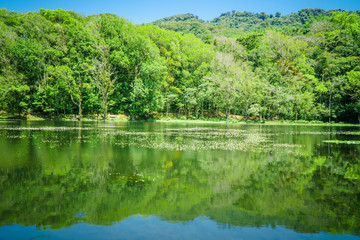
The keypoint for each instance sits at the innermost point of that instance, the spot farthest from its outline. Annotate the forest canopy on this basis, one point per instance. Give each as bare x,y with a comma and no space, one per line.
302,66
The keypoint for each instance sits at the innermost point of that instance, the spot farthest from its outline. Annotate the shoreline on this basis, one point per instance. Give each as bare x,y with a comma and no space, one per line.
175,120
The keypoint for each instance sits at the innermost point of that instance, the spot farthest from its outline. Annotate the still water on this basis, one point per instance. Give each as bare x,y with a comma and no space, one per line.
132,180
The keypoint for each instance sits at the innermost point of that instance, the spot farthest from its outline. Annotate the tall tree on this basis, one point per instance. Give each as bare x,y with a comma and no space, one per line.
104,78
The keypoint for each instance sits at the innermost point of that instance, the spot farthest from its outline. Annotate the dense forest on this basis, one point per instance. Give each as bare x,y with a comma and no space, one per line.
302,66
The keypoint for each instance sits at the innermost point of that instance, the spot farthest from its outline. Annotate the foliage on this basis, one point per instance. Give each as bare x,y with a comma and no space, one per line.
302,66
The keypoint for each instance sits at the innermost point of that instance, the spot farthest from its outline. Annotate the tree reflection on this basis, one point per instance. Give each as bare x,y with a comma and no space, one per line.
55,179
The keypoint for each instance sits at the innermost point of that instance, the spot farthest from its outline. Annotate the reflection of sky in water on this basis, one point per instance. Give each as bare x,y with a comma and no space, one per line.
139,227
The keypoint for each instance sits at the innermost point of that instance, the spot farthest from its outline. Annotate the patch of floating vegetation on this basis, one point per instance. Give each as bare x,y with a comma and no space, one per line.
310,133
288,145
319,133
197,129
133,180
45,128
352,133
342,141
189,139
17,136
173,139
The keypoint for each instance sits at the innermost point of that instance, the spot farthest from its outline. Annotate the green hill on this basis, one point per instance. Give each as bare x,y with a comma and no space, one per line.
232,23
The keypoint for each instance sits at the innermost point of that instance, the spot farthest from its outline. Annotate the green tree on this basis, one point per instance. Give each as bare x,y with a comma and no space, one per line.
104,78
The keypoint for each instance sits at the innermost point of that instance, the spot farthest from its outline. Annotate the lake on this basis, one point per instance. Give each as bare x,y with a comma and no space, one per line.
168,180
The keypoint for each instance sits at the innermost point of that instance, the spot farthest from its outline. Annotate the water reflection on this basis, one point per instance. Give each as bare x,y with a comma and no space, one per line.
60,174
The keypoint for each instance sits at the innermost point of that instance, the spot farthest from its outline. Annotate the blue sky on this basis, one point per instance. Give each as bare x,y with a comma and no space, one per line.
144,11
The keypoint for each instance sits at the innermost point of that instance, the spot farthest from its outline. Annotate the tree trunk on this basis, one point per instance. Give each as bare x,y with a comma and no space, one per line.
330,108
202,109
80,112
105,111
133,100
227,113
167,108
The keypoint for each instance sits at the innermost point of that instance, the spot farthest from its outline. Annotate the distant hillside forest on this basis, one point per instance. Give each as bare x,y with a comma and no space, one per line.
228,23
301,66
